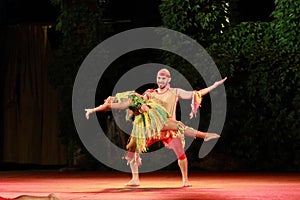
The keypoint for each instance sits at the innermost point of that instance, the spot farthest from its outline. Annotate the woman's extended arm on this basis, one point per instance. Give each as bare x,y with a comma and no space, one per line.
121,105
108,105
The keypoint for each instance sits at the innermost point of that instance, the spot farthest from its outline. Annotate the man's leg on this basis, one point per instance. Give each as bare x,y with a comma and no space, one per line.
176,145
183,165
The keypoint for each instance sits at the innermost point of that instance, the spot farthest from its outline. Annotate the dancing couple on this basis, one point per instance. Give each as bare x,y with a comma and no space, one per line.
155,120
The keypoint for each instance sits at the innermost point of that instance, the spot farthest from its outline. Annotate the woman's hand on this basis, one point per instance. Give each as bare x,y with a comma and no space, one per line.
88,112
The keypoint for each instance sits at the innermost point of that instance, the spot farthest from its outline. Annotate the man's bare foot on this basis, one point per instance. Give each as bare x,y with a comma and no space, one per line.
133,182
210,136
186,183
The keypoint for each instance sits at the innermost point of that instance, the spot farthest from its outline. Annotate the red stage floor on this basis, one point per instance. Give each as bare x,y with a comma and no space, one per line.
156,185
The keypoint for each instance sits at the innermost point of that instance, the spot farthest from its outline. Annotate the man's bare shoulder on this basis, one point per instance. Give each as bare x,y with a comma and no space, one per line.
174,90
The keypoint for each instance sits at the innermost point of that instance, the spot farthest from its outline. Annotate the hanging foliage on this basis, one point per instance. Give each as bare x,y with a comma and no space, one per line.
81,27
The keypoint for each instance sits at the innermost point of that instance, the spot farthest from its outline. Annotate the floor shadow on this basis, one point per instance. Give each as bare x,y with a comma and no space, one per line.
138,189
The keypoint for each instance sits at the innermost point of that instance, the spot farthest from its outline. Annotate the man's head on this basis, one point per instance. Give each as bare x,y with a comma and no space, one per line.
163,78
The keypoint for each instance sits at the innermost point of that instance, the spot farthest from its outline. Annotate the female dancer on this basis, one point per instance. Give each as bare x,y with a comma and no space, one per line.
150,118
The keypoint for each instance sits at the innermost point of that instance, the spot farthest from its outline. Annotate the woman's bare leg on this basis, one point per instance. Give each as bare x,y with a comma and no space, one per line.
188,131
134,162
135,180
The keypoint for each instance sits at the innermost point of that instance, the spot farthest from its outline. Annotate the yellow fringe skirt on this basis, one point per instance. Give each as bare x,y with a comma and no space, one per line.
148,124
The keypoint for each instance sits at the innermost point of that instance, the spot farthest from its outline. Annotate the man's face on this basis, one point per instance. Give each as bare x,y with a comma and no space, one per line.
162,81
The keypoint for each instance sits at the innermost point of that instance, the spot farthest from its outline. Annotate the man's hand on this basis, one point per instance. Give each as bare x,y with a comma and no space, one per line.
216,84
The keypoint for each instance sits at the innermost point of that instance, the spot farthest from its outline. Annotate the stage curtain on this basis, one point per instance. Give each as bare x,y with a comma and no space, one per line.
30,105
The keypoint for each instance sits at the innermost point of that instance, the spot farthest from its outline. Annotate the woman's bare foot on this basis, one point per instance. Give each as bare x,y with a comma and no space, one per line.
210,136
186,183
133,182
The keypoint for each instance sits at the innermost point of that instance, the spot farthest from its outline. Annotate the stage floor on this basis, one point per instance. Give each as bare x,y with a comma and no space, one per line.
156,185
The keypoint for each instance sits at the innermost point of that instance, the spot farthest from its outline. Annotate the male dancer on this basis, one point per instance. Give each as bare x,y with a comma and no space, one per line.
168,97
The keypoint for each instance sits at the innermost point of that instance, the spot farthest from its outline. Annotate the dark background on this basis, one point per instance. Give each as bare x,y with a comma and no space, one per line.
127,14
143,13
